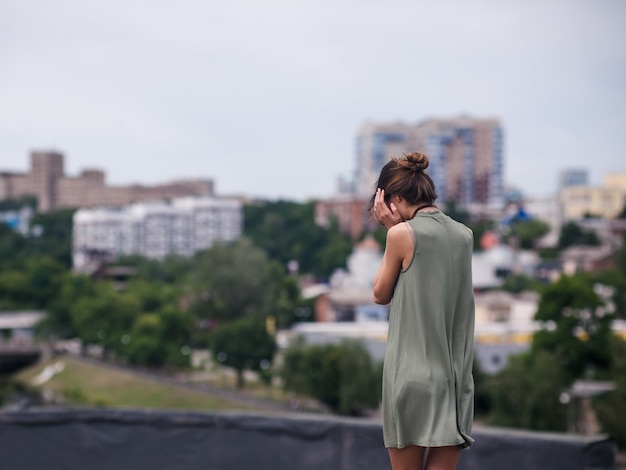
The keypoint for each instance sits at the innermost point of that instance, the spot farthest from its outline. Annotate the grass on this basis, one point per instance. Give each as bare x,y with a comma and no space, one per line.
83,383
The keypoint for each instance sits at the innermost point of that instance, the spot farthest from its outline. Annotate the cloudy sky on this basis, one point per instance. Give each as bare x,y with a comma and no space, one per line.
266,97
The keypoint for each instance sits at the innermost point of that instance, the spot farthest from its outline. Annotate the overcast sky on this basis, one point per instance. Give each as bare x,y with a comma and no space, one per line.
266,97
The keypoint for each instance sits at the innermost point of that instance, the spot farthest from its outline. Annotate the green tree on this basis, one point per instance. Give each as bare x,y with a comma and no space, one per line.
529,231
482,391
13,248
287,231
525,394
173,269
517,283
243,344
159,339
55,239
58,321
145,342
18,203
232,280
578,326
611,408
620,257
342,376
105,318
572,234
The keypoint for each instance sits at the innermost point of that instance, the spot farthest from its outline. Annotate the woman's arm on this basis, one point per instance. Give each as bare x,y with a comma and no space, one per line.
399,246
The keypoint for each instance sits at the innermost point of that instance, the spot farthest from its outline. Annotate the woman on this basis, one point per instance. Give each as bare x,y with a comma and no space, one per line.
428,390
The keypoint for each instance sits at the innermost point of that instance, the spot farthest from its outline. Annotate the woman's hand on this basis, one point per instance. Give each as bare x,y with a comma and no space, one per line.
386,215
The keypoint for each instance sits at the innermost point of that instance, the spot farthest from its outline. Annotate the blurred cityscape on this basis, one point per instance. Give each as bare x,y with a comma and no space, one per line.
163,276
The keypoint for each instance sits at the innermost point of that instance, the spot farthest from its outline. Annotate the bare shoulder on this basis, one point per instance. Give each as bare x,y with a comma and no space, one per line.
399,233
400,240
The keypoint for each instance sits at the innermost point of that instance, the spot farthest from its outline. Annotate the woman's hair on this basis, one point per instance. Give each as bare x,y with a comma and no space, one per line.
405,177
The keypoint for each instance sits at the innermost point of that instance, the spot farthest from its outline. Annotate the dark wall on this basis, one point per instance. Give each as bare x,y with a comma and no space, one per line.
97,439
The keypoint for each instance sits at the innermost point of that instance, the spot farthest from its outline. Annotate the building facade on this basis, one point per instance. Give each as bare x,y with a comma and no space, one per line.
154,230
606,201
350,212
47,181
466,156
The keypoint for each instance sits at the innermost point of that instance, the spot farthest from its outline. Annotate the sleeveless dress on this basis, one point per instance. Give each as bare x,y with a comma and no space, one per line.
428,389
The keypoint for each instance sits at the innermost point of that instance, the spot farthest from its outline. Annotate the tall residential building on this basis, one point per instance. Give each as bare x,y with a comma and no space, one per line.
154,230
47,181
573,177
466,156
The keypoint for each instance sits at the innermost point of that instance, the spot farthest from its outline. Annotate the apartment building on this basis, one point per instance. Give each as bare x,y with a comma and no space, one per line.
350,212
155,229
606,201
466,156
53,189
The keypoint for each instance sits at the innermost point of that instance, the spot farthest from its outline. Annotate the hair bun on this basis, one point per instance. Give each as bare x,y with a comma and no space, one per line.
417,161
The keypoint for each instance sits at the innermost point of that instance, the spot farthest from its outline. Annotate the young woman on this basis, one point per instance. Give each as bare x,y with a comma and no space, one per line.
428,389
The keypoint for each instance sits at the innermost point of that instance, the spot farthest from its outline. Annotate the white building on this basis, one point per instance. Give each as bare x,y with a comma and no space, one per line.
155,229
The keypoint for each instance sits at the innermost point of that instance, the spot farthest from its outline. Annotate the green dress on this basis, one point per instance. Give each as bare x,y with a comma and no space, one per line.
428,389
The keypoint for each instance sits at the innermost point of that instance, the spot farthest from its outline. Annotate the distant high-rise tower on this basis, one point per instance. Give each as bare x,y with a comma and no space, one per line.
573,177
47,170
466,156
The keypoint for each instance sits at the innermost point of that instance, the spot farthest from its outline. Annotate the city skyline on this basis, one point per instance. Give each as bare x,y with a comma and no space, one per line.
267,100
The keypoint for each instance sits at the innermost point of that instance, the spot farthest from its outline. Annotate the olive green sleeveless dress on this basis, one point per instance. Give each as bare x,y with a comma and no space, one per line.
428,389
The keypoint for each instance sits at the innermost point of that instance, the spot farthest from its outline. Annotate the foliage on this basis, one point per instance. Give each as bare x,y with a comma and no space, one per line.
571,234
620,257
243,344
58,321
171,270
517,283
525,394
287,231
342,376
482,391
615,280
528,232
233,280
18,203
56,237
55,241
579,326
32,285
105,318
611,408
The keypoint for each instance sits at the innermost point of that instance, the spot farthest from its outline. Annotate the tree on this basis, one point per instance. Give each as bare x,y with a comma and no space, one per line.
159,339
105,318
287,231
233,280
572,234
529,231
55,240
59,320
525,394
517,283
342,376
611,408
578,326
243,345
620,257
